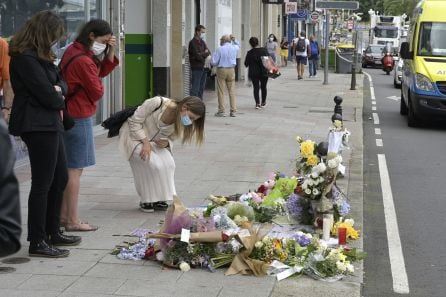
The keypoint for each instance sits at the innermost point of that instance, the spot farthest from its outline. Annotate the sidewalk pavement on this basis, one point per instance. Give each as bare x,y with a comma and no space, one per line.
237,156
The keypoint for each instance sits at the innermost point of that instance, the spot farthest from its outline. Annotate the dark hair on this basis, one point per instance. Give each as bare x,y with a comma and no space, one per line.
198,28
254,41
303,34
38,33
97,27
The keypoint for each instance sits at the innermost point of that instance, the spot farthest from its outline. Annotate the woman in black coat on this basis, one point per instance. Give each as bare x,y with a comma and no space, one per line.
256,72
37,118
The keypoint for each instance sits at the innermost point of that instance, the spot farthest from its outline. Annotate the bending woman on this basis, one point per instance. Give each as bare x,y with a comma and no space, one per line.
145,140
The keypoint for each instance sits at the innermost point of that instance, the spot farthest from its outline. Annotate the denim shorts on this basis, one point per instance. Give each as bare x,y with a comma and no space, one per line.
79,144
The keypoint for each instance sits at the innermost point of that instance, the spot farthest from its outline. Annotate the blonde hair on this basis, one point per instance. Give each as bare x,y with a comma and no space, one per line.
187,133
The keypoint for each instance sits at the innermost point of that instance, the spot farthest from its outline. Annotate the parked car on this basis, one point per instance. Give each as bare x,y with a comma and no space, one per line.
398,73
372,55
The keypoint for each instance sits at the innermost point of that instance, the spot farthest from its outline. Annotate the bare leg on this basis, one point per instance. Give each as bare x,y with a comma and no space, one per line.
69,214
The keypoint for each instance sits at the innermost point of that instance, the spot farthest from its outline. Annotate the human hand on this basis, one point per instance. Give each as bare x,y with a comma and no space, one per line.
162,142
112,41
145,151
58,89
6,114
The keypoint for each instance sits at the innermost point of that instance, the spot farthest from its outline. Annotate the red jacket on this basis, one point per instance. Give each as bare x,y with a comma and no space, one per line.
84,72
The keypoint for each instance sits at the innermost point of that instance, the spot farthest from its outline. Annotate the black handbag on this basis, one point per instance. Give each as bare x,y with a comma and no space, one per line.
68,121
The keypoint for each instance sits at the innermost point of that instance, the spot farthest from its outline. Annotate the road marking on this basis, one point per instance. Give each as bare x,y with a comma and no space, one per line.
373,102
379,142
372,89
377,131
375,118
373,107
397,265
372,93
395,98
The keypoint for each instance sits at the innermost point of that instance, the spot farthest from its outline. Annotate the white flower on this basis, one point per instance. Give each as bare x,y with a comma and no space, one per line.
333,163
159,256
339,158
266,239
309,235
321,179
316,182
350,268
299,233
310,182
184,266
315,192
351,222
258,244
341,266
308,191
323,245
314,174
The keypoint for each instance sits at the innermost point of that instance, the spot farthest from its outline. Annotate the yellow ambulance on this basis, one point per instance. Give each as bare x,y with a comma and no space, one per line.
423,88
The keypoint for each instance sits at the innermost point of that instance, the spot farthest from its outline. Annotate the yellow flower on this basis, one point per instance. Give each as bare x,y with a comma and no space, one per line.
352,233
307,148
312,160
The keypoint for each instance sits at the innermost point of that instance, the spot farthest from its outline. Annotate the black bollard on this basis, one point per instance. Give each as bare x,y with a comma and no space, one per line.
336,117
338,107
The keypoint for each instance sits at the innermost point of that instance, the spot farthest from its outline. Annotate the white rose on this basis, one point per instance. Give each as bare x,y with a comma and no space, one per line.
321,167
159,256
184,266
339,158
308,191
314,175
299,233
321,179
315,192
258,244
308,235
310,182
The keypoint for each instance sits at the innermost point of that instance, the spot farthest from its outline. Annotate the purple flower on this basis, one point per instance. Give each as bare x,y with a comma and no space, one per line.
302,239
344,208
293,205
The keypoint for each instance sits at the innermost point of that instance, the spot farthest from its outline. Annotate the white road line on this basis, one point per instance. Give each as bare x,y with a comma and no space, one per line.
375,118
373,102
372,93
377,131
397,265
379,142
373,107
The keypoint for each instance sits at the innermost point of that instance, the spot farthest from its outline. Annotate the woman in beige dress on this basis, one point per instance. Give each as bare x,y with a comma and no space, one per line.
146,138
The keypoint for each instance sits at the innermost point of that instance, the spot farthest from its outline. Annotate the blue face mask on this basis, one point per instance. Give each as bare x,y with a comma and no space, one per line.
185,120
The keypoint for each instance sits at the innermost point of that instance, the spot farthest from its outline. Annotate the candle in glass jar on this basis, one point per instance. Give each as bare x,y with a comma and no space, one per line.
342,236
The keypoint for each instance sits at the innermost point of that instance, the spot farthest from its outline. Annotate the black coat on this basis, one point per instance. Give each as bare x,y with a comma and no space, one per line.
36,105
10,228
253,60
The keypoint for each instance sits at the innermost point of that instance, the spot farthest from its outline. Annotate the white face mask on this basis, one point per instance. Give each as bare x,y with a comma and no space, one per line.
271,39
202,35
98,48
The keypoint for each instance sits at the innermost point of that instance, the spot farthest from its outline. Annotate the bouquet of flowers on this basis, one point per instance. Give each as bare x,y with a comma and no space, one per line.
308,156
328,264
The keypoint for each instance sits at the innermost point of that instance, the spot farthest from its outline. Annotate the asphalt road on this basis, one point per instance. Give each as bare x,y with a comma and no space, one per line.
416,163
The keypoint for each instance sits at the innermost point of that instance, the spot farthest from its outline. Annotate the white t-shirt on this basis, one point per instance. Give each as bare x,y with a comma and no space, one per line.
307,43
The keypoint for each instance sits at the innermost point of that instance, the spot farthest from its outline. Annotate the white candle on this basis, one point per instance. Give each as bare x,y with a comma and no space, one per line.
326,229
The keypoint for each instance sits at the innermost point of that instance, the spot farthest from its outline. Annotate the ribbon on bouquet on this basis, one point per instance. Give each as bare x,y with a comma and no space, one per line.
282,271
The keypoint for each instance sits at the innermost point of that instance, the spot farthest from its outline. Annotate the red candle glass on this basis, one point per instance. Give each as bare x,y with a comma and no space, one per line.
342,236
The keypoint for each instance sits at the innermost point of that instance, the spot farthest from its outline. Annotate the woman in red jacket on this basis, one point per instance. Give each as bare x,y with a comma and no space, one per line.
90,57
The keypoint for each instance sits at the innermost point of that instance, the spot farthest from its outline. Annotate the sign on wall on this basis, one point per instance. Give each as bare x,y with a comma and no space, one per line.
291,7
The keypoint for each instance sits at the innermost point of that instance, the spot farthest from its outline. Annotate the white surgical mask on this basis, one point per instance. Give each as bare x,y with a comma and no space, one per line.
271,39
98,48
203,35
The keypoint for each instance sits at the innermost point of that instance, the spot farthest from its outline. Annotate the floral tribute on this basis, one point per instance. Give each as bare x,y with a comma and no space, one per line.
246,232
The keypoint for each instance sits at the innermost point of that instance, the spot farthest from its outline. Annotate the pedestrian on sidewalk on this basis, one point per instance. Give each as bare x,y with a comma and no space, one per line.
256,71
284,51
301,49
224,58
10,226
85,62
314,56
37,118
145,140
272,46
198,52
5,83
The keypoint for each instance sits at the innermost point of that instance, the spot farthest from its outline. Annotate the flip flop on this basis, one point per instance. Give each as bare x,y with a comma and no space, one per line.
80,227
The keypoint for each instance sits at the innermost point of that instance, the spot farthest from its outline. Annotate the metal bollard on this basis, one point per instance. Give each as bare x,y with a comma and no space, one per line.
338,108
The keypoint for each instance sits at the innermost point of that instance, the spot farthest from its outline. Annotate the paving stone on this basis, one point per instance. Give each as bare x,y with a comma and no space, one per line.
27,293
44,282
96,285
12,280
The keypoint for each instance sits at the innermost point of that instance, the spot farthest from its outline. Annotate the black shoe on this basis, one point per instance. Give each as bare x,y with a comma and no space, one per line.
146,207
60,239
160,205
42,249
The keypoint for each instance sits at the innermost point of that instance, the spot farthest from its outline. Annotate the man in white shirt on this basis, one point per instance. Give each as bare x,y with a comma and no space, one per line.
301,48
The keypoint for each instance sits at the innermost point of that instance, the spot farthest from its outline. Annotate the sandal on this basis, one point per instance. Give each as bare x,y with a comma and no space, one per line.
80,227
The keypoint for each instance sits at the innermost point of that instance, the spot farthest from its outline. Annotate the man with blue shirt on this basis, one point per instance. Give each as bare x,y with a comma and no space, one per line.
224,59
